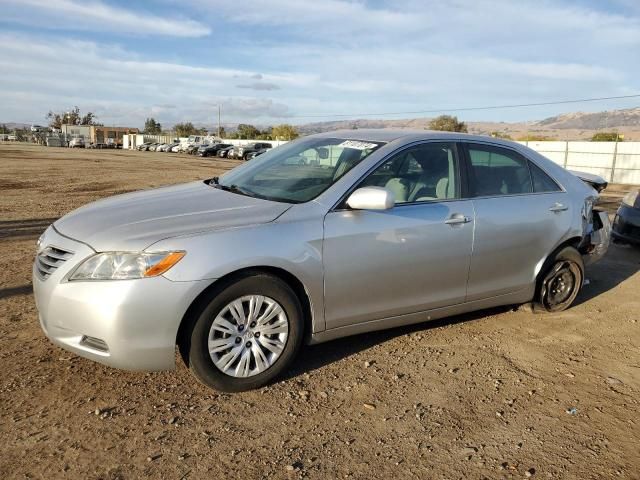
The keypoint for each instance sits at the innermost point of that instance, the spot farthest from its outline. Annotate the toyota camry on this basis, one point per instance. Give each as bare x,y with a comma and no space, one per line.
327,236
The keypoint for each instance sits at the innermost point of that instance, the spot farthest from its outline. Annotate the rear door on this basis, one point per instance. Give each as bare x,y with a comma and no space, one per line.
521,215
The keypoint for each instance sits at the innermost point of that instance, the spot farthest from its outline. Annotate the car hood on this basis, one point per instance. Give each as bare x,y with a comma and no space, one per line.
133,221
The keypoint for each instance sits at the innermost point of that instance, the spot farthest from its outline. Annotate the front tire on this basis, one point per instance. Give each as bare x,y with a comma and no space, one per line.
560,282
246,334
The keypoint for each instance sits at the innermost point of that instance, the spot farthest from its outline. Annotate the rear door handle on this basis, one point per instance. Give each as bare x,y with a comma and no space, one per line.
457,219
558,207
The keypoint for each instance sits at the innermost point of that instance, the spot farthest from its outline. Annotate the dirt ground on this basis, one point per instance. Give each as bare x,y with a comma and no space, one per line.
495,394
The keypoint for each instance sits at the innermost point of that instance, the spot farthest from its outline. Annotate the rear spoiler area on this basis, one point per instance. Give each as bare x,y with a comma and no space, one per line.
591,179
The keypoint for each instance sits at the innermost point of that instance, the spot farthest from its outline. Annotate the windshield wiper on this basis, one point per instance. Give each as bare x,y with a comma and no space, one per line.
215,182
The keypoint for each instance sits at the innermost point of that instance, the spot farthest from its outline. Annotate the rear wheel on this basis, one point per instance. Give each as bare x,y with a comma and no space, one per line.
246,335
561,282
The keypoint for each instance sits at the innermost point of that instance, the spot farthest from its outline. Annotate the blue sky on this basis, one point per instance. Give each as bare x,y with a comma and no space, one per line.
296,61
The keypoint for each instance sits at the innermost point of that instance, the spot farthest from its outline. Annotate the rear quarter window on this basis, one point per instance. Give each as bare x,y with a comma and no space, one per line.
541,181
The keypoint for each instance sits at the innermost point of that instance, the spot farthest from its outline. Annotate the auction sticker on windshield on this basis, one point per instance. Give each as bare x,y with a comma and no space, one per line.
357,145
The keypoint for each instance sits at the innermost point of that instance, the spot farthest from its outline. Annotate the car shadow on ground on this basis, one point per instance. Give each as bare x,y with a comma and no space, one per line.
621,262
14,291
24,228
313,357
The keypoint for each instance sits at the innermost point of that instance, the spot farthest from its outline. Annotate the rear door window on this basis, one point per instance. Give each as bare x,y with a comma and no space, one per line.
497,171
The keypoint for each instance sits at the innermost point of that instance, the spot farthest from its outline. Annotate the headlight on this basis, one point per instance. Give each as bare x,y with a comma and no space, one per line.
39,243
630,198
125,265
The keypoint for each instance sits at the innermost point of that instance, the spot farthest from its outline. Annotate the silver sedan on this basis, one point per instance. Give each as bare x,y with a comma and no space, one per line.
327,236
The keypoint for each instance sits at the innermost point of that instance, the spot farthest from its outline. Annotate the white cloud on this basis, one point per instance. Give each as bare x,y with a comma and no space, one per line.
96,15
37,78
265,86
334,56
434,24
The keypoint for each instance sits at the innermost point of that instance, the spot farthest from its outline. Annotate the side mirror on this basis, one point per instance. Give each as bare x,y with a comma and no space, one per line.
371,198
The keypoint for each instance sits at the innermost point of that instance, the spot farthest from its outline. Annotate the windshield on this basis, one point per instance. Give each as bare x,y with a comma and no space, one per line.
299,171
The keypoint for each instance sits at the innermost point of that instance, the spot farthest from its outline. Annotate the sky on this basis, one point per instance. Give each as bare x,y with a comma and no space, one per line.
267,62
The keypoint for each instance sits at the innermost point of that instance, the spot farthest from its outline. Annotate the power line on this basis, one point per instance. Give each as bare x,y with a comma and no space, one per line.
468,109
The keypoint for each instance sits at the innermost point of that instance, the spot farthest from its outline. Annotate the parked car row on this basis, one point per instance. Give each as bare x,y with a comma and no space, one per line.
211,150
79,142
159,147
221,150
244,152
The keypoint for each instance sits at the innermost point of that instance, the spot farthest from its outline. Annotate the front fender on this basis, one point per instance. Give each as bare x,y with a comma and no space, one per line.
295,247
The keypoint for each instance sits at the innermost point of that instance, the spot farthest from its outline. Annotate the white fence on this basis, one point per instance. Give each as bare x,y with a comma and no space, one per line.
617,162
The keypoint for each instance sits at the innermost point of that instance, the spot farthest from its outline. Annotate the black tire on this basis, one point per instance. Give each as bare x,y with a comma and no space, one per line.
560,281
194,345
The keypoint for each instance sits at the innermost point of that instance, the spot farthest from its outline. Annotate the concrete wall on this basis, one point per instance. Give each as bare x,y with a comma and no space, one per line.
617,162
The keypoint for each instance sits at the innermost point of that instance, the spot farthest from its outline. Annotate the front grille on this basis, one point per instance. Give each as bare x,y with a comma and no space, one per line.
49,259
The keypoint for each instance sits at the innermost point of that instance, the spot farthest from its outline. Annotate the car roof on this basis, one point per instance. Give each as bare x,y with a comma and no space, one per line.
390,135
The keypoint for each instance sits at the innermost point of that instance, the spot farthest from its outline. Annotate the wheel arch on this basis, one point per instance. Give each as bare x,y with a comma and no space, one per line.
223,282
570,242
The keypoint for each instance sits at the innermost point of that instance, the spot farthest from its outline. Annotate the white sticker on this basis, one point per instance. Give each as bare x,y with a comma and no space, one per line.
357,145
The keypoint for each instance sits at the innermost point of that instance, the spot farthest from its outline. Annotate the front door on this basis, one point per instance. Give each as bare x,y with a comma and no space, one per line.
410,258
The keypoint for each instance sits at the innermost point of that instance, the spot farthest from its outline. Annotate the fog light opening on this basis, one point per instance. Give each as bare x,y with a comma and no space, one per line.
94,343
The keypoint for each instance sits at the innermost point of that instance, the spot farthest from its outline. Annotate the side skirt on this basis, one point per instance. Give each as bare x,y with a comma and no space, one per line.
521,296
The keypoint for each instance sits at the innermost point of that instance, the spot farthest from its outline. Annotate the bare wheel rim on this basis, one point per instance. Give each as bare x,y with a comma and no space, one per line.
248,336
562,284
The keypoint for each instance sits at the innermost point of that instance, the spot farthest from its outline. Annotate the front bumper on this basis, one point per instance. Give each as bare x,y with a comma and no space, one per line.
626,224
128,324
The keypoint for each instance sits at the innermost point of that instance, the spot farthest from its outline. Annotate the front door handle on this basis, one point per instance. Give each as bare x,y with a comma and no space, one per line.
457,219
558,207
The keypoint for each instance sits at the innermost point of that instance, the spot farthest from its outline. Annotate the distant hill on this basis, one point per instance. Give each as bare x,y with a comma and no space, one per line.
593,121
568,126
14,125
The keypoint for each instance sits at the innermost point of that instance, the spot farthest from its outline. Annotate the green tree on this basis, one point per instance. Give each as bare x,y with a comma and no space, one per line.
534,138
71,117
247,131
4,129
185,129
22,134
498,134
607,137
447,123
284,132
151,127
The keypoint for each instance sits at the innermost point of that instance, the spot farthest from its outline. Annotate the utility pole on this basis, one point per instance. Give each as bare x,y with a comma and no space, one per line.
219,121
